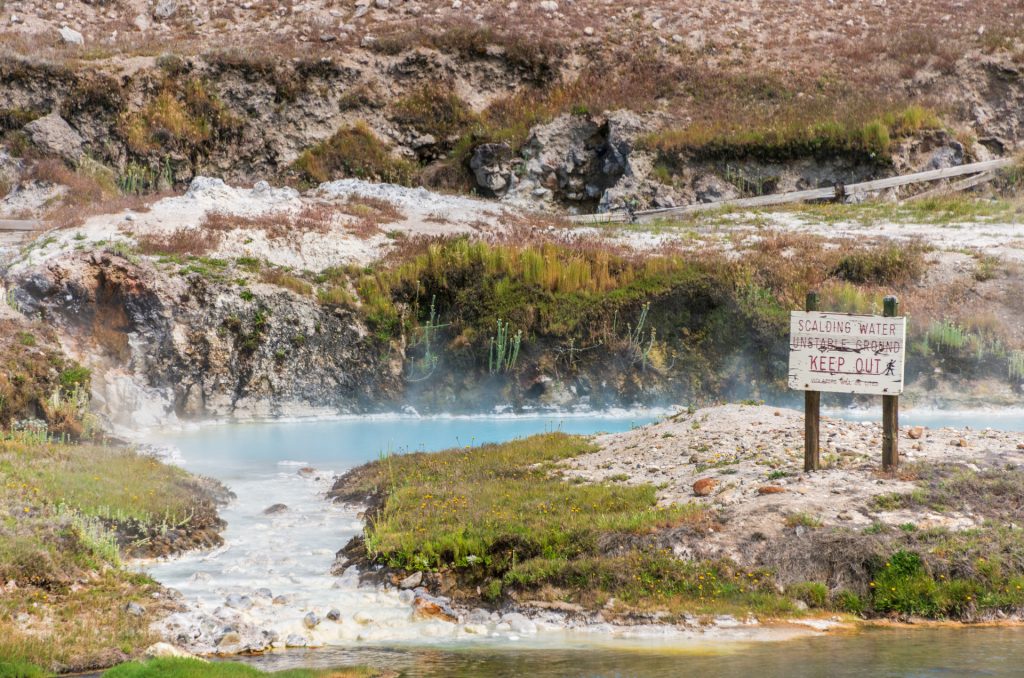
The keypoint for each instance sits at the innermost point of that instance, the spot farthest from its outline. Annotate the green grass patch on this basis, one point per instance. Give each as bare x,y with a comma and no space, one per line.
194,668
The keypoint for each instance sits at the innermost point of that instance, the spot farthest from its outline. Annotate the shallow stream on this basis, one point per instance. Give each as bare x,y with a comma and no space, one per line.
275,569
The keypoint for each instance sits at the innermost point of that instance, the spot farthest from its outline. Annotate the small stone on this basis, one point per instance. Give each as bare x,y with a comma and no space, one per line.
134,609
412,581
295,640
704,486
275,508
916,433
328,37
800,605
264,592
426,608
589,30
311,620
334,614
770,489
280,600
237,602
1020,446
362,617
959,442
229,638
549,6
382,4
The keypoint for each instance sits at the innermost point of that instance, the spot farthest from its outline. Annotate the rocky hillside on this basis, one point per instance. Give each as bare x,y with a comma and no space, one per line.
573,105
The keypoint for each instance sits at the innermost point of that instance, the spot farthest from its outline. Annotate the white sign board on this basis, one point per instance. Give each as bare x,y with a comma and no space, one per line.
845,353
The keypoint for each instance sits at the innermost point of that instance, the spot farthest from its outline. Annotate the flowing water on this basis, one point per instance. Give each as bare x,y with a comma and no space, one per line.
274,569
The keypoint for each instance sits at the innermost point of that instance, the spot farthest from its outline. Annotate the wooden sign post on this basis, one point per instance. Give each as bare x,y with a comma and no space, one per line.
846,353
891,409
812,412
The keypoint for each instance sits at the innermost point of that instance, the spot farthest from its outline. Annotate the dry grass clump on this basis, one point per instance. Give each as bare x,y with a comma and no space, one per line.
282,278
353,152
279,225
187,241
370,213
184,117
434,109
532,51
791,129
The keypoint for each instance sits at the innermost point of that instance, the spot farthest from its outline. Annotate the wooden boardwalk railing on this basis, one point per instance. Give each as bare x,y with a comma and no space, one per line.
828,193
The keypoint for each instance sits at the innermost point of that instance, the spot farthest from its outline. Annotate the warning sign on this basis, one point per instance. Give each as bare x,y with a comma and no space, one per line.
845,353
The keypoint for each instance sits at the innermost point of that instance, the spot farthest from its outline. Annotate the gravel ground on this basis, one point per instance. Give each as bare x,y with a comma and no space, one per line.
752,458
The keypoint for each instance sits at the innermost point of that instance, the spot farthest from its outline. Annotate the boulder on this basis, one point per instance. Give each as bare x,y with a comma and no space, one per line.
52,134
311,620
334,614
71,36
165,9
412,581
915,433
134,609
275,508
492,168
704,486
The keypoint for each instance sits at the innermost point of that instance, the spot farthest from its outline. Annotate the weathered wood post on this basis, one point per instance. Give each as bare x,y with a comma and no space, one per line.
890,409
812,411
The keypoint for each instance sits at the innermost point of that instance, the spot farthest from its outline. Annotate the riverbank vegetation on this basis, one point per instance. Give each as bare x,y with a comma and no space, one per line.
195,668
68,514
498,521
499,524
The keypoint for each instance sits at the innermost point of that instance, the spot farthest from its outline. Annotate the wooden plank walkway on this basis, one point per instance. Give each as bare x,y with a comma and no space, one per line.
827,193
19,225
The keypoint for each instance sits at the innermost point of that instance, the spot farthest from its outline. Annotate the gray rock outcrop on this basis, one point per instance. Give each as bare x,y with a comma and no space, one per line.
52,134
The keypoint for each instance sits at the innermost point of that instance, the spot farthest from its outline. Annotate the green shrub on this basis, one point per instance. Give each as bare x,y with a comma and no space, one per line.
353,152
76,376
815,594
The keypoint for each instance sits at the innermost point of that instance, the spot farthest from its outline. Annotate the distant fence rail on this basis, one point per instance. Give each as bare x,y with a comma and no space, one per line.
828,193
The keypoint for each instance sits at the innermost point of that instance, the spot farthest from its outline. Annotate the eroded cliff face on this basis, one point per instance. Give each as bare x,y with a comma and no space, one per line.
166,346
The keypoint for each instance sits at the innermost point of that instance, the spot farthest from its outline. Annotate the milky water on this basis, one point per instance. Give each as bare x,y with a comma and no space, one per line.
280,563
289,554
